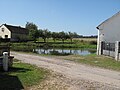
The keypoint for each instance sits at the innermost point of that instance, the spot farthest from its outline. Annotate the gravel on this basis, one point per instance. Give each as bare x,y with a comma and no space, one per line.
69,75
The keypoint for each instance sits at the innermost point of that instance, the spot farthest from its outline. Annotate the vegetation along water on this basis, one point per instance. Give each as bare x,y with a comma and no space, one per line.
54,41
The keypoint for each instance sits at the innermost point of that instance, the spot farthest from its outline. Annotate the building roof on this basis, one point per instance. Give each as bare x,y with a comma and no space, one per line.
108,19
17,29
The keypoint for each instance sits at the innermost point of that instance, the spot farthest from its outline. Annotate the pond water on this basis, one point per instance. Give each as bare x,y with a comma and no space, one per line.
65,51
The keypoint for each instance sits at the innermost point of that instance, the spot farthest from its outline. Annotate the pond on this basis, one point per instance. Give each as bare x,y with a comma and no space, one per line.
64,51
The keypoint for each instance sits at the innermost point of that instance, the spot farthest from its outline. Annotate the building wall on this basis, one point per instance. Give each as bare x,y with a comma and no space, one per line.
4,31
110,30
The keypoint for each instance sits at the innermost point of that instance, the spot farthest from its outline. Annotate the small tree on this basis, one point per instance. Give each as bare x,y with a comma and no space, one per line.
55,36
40,32
30,25
75,35
71,36
44,35
62,36
33,34
33,30
48,33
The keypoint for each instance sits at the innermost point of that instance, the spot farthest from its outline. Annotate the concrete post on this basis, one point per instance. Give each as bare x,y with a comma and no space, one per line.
98,42
5,61
116,50
100,48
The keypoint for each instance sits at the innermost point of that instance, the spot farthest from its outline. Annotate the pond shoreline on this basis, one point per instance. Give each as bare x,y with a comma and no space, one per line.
62,51
30,46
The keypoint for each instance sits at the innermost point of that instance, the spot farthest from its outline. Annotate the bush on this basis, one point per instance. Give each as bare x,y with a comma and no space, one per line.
23,48
93,42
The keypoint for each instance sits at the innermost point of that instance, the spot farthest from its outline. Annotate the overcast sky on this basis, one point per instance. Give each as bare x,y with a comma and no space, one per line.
81,16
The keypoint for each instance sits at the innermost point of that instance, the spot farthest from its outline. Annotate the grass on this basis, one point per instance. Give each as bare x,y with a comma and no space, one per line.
89,43
79,39
94,60
21,76
77,43
86,39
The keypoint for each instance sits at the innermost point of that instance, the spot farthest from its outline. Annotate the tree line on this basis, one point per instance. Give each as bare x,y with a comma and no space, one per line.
45,34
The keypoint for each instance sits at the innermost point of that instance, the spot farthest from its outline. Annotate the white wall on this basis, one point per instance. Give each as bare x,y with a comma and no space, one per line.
110,30
5,32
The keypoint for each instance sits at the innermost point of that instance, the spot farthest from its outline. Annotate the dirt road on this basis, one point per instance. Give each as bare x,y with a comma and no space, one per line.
77,76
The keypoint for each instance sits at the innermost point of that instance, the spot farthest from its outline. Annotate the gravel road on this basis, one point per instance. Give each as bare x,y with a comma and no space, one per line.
76,76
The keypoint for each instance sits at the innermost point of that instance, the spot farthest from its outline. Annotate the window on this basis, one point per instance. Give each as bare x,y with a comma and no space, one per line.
2,29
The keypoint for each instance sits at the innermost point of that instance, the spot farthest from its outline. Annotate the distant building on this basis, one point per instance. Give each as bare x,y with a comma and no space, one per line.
14,33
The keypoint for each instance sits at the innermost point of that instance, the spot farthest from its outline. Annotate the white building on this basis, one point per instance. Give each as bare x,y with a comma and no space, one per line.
109,31
14,33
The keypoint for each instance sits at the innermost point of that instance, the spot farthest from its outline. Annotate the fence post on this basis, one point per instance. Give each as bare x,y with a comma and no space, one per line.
116,50
100,48
5,61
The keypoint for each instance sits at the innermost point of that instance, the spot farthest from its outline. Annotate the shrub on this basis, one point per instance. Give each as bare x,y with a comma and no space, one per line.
93,42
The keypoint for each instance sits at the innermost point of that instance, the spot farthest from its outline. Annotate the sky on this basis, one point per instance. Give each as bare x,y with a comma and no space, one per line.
80,16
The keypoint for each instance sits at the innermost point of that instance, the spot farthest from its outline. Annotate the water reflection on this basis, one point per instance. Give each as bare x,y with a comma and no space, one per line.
64,51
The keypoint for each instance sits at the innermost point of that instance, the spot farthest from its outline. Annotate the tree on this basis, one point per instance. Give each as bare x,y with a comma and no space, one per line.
71,36
31,25
62,36
48,33
54,36
33,30
33,34
40,33
75,35
44,35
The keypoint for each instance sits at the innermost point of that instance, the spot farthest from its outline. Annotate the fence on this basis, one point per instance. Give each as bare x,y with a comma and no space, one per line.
108,46
110,49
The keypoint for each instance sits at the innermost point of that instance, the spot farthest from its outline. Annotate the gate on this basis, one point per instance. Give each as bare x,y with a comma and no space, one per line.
108,49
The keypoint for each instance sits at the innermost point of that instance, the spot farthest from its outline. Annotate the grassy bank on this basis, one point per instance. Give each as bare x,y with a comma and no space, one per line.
94,60
77,43
21,76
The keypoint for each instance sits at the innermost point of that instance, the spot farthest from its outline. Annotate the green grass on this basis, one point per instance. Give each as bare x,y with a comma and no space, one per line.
94,60
21,76
77,43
